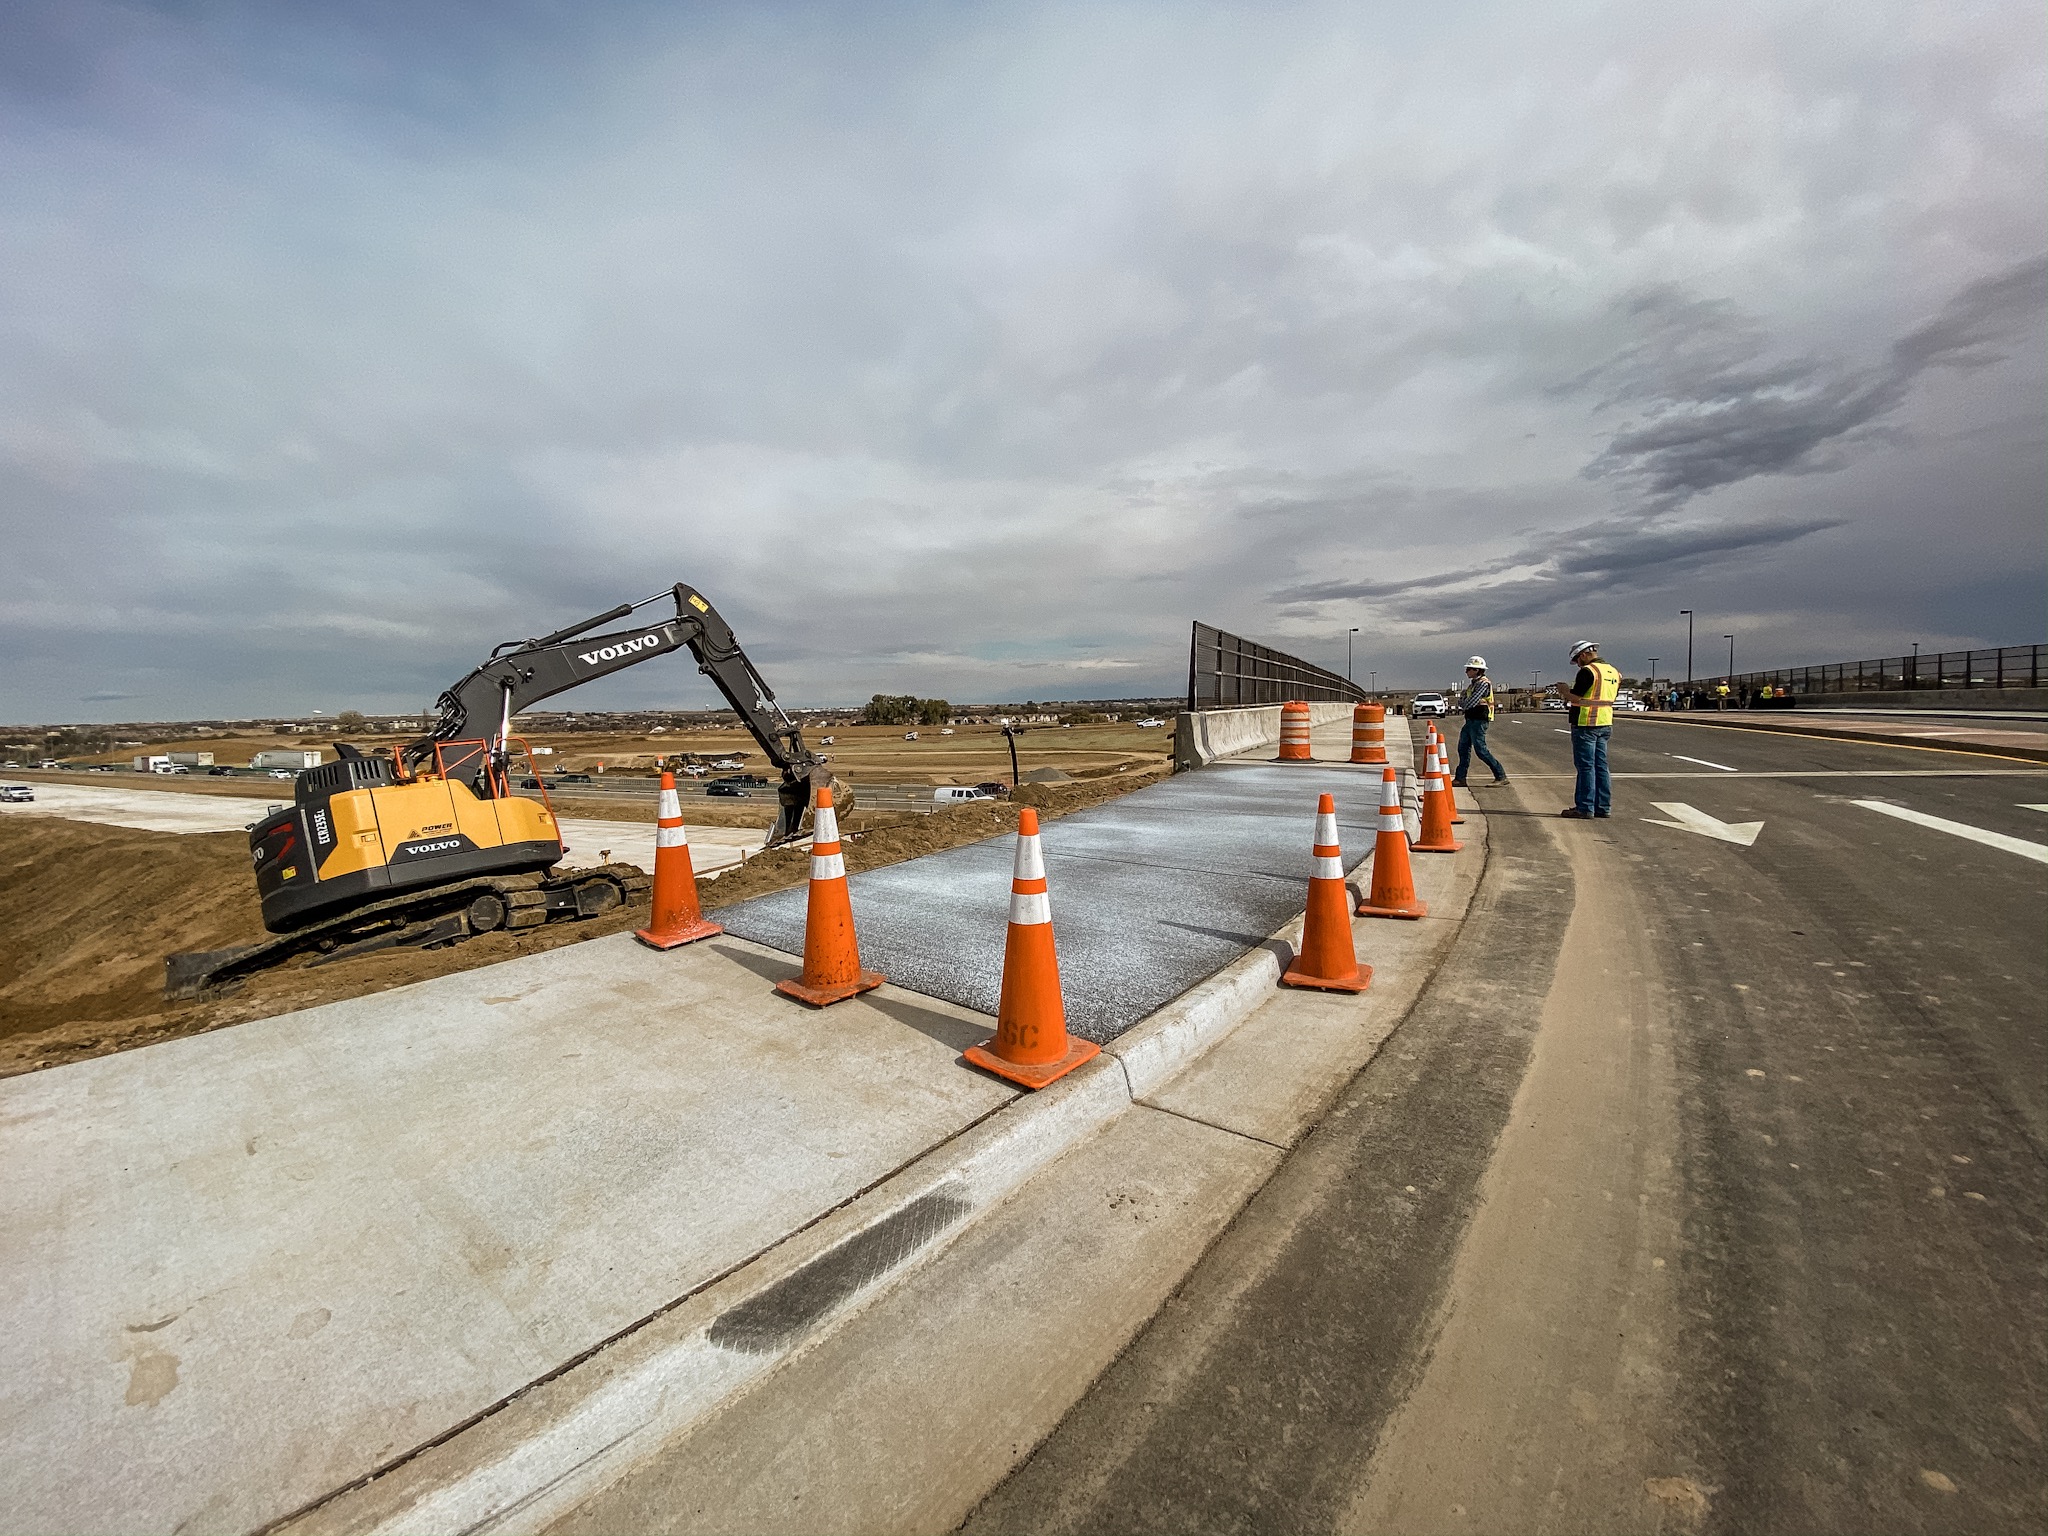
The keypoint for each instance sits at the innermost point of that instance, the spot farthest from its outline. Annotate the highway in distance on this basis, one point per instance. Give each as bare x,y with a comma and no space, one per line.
1702,1190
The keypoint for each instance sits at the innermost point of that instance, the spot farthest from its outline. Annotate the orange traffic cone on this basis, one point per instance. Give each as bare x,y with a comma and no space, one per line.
1327,960
1393,883
1369,733
1436,812
832,970
676,919
1294,743
1443,772
1031,1045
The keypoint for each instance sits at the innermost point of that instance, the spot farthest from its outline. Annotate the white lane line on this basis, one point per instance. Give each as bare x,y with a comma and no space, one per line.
2026,807
1702,762
2018,845
1560,730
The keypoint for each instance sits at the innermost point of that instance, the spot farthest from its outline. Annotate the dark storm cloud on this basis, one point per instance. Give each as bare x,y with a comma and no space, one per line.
1712,412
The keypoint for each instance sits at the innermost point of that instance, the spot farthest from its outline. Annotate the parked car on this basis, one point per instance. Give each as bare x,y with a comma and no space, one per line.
1427,704
282,773
1635,706
573,778
1554,703
721,787
16,792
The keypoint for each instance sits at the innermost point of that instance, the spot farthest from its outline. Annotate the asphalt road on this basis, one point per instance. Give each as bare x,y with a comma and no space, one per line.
1703,1190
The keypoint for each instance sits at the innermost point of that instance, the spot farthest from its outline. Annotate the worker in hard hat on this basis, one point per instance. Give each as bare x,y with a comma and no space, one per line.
1477,703
1592,705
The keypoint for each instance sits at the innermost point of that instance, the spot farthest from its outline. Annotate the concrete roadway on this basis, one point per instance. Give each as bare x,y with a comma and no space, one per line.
1704,1189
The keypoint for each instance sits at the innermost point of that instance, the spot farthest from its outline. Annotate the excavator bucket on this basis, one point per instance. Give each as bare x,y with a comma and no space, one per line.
797,795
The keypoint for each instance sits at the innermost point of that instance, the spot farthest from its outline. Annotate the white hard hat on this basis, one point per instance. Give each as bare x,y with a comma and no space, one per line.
1580,647
1476,661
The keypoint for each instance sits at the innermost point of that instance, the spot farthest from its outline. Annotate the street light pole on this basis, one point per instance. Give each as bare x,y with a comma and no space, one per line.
1731,656
1686,614
1347,655
1653,674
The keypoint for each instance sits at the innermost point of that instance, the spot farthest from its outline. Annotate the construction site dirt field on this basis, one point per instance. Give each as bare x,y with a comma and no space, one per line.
90,911
863,753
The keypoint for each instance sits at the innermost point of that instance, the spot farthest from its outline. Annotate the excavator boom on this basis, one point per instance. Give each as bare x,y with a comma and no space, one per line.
521,673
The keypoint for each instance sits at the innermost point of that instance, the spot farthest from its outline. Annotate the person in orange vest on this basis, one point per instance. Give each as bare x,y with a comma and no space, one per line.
1592,704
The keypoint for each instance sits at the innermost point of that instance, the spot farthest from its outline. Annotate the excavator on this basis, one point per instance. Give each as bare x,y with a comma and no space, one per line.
431,846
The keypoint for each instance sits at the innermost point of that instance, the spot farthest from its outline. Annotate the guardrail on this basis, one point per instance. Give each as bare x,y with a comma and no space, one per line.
2007,666
1227,671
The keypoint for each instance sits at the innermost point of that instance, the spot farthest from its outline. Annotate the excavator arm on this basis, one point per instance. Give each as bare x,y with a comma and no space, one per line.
521,673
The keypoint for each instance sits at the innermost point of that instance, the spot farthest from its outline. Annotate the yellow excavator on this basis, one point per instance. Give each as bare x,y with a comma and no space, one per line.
432,846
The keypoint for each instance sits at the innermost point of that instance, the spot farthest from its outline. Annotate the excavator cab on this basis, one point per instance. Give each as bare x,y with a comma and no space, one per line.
357,832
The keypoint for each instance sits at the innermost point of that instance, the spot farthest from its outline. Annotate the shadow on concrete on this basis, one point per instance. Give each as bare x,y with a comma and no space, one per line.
954,1033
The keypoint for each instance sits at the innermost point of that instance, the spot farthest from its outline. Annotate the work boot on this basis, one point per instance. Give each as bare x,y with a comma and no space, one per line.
1500,779
1573,813
1457,783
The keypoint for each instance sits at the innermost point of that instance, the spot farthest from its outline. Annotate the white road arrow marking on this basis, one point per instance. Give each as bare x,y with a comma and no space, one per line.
1702,762
1690,820
2018,845
2034,807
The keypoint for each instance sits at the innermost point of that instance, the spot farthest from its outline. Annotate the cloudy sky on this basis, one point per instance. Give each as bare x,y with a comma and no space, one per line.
973,350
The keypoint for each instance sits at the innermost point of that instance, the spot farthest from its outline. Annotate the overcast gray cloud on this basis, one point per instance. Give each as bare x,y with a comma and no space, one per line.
975,351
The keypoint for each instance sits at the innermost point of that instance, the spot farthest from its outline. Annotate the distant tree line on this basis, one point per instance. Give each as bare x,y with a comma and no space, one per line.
905,709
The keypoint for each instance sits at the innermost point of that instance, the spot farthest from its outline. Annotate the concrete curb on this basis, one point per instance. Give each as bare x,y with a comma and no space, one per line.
532,1458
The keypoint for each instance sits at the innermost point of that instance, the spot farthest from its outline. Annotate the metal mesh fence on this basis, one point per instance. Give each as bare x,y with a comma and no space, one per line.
2008,666
1226,671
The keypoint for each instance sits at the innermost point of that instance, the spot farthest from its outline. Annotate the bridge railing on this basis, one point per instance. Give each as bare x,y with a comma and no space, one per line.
1227,671
2006,666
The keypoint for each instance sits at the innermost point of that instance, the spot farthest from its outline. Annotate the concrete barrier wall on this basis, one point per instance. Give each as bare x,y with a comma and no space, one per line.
1202,736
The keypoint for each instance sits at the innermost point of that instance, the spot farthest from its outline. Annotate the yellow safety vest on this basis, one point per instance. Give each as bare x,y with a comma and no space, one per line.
1606,684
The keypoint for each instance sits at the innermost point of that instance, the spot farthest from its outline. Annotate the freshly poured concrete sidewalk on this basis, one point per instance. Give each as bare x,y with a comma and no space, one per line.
241,1271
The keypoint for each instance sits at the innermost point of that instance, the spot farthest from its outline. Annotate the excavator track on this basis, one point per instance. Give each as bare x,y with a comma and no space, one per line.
426,919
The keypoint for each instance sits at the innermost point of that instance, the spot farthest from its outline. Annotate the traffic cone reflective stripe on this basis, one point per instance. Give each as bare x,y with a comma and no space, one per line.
1031,1046
1327,959
676,918
1294,742
1369,733
1436,814
832,970
1393,883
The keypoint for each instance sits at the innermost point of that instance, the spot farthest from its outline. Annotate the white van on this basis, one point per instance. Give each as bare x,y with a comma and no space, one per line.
953,794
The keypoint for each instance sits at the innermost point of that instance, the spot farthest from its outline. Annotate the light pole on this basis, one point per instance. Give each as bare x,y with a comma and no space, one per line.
1686,614
1347,654
1731,656
1653,674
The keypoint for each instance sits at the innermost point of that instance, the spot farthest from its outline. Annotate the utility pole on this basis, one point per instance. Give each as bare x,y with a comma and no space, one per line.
1347,655
1686,614
1375,681
1653,674
1731,656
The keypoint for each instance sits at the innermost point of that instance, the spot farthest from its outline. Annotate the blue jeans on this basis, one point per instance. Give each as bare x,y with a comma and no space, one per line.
1473,739
1594,792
